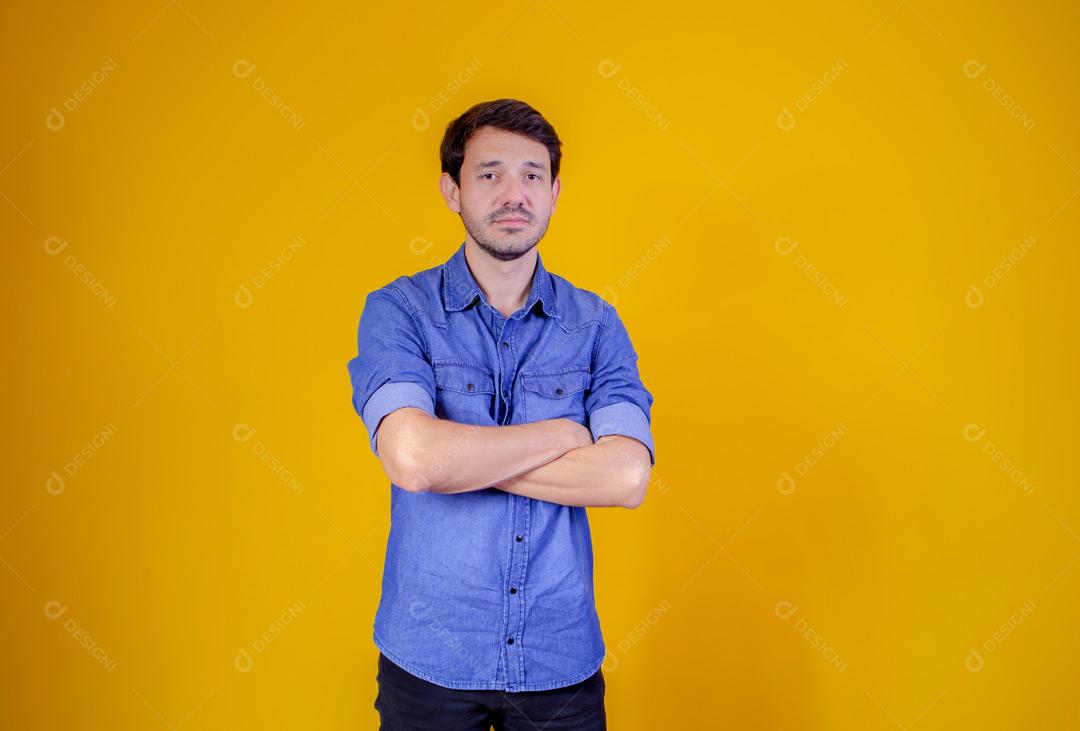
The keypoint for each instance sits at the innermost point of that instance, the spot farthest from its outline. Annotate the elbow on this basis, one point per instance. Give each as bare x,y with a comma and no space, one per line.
407,474
411,480
405,468
631,467
635,488
402,448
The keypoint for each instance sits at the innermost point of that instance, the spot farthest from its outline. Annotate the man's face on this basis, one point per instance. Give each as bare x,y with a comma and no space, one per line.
506,196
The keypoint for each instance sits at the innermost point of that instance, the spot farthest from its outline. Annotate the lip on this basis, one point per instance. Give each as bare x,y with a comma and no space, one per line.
511,220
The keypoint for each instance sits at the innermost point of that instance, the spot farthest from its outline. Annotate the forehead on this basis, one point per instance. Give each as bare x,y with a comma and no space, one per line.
512,149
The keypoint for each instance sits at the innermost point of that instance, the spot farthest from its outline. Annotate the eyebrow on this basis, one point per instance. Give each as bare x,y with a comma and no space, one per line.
497,163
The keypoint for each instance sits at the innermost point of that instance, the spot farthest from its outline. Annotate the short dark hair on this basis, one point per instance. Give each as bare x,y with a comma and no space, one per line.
511,115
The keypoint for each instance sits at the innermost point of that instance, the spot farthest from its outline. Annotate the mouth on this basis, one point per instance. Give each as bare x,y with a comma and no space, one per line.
512,221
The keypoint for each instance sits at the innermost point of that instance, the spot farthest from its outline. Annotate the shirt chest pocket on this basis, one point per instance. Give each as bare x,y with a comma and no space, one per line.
555,395
464,393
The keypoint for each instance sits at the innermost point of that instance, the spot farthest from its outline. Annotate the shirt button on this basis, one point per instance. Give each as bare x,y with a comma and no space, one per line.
509,640
469,387
558,392
513,590
518,538
505,345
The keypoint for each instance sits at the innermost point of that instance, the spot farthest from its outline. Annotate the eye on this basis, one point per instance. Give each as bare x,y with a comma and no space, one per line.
535,176
485,175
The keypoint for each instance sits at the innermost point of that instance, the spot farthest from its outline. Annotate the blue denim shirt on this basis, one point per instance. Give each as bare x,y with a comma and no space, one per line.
486,590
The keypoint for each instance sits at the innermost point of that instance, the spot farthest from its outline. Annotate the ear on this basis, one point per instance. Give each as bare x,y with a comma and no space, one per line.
451,193
555,188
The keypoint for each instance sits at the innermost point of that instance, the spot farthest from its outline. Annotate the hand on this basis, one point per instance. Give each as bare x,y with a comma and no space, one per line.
577,435
565,432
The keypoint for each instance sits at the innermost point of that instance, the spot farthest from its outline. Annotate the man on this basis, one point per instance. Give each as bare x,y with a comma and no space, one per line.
501,401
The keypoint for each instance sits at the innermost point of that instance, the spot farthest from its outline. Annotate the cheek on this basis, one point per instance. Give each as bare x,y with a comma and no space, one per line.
476,206
545,202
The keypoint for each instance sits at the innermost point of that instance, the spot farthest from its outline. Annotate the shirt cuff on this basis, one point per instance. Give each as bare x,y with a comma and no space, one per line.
622,418
391,397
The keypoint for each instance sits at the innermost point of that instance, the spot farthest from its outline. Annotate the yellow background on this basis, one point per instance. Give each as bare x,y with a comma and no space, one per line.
904,181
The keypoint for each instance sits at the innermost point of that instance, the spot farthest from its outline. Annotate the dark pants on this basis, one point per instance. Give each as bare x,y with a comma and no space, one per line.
406,702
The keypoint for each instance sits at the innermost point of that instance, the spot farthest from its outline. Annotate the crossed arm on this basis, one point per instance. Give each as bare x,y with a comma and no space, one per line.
554,460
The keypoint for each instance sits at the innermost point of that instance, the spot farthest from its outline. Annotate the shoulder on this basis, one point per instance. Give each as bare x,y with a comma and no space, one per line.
577,306
419,293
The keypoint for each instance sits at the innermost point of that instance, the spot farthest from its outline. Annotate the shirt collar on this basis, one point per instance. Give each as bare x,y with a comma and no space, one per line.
460,288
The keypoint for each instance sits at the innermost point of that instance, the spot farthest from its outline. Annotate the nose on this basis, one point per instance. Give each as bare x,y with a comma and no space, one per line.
513,193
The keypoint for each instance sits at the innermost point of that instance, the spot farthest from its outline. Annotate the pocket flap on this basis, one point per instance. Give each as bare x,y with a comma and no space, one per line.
464,378
556,385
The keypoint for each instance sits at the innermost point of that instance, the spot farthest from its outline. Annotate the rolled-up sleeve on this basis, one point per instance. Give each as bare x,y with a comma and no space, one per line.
391,370
618,402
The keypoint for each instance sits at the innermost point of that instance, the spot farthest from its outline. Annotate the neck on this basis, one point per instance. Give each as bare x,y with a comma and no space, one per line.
505,284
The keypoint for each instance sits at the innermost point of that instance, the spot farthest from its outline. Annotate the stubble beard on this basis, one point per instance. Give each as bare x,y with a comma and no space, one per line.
507,246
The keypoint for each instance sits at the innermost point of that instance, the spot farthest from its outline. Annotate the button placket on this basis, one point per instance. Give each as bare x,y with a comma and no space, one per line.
506,370
507,362
502,402
519,520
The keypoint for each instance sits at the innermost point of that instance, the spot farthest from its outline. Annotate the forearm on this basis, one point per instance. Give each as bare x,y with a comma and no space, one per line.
442,456
613,472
